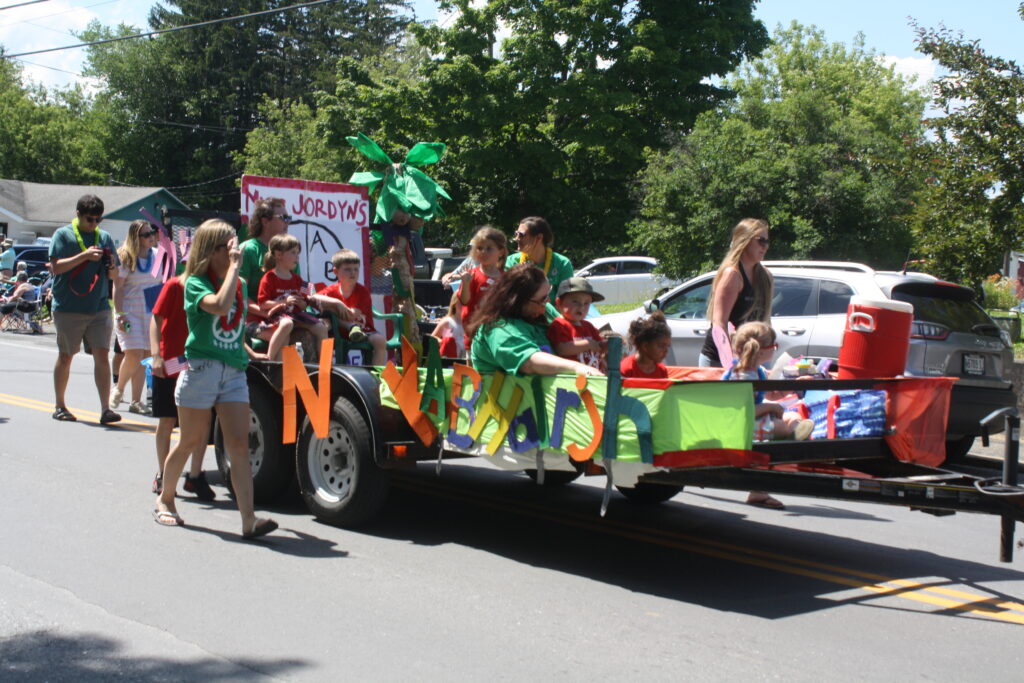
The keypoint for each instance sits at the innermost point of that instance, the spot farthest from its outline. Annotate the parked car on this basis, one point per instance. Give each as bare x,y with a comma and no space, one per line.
951,336
35,256
625,279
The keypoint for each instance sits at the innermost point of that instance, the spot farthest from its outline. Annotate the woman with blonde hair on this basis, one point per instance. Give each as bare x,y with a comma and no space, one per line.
135,292
741,292
215,304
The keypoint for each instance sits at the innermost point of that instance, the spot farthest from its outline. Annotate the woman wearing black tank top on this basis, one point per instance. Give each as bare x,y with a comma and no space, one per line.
741,292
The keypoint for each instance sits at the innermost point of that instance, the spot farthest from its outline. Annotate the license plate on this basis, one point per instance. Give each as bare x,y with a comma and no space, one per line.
974,364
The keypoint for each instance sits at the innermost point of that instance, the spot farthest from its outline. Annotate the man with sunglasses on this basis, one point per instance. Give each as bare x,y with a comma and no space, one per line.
84,263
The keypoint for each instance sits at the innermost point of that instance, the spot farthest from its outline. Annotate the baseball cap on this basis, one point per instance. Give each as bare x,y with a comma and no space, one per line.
578,284
8,243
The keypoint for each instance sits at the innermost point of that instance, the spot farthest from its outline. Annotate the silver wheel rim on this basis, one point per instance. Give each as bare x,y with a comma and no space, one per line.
332,464
256,446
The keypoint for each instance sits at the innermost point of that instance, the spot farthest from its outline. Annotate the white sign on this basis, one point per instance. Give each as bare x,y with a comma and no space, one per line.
326,217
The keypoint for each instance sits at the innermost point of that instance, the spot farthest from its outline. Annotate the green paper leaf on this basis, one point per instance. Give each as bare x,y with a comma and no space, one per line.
425,153
369,148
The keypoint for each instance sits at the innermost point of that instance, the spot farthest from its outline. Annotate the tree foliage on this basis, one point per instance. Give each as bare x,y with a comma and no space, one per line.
820,141
553,119
971,214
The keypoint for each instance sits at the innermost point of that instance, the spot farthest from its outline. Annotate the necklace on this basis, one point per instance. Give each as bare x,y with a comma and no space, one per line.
547,259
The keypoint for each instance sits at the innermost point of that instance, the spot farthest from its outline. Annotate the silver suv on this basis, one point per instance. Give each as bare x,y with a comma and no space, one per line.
952,336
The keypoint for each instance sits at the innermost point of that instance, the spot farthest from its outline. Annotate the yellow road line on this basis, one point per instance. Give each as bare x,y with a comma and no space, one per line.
92,416
979,605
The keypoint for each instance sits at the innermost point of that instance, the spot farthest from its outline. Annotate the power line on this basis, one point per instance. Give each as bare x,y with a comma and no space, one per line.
172,29
53,68
22,4
56,14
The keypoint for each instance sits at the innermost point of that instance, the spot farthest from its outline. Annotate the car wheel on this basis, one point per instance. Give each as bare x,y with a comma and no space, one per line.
957,449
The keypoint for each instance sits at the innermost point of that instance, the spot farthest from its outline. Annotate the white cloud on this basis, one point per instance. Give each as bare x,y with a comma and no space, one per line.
921,70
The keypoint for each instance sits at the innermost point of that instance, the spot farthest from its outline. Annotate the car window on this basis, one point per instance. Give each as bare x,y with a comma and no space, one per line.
833,297
691,304
610,268
959,315
634,267
791,295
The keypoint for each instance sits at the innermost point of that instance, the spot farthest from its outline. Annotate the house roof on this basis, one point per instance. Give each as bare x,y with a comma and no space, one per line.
45,203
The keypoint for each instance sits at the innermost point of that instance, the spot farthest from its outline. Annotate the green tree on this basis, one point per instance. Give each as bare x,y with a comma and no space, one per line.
820,142
552,120
971,215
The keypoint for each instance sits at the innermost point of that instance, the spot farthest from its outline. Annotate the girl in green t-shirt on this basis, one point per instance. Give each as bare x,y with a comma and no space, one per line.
215,305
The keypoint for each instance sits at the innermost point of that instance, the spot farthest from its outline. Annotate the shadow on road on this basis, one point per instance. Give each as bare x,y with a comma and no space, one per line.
716,558
48,656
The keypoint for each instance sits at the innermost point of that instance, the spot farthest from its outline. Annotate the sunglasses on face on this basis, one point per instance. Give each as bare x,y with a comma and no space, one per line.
144,235
220,246
520,236
283,216
92,219
772,347
540,301
763,241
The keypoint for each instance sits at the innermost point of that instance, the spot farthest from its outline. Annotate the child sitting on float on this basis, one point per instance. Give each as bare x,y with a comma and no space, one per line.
353,298
571,334
652,339
753,345
450,332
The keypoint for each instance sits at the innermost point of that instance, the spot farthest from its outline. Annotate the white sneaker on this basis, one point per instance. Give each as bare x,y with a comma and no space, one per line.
803,430
139,408
115,398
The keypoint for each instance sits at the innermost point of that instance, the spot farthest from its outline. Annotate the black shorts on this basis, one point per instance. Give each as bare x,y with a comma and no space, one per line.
163,396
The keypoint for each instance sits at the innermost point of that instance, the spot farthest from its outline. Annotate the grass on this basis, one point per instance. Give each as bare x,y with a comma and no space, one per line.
618,308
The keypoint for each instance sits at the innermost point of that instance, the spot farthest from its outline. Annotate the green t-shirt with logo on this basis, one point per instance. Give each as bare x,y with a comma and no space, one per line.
207,337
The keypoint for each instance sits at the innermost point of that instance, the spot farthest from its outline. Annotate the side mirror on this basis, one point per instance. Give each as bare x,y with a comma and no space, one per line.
652,306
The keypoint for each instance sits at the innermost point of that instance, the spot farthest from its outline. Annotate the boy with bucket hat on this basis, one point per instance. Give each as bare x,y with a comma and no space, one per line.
570,334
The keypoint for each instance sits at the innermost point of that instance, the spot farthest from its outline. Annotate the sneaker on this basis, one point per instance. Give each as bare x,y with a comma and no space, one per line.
115,398
197,485
109,417
802,430
139,408
356,335
158,483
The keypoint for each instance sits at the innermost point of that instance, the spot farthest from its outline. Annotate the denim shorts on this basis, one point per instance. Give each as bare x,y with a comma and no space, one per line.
208,382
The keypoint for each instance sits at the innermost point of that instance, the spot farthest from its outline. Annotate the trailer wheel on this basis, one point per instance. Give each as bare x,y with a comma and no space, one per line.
649,494
556,478
272,466
338,477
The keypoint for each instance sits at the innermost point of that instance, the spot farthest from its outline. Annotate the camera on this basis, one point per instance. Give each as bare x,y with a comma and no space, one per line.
106,259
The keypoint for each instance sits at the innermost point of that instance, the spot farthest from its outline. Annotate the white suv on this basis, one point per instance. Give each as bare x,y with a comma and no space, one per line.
952,336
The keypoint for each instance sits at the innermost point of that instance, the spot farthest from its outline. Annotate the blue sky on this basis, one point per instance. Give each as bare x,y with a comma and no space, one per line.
884,24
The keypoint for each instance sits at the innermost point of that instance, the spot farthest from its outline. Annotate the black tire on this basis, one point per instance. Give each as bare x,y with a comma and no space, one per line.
649,494
338,477
957,449
273,467
557,478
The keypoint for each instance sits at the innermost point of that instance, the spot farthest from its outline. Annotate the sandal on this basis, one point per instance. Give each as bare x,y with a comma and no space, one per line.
261,528
109,417
764,500
167,518
64,415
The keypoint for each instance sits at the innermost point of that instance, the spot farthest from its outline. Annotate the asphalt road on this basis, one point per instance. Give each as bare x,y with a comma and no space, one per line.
476,574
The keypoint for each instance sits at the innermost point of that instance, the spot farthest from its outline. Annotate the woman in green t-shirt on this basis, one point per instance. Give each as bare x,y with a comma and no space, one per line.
534,238
509,328
215,306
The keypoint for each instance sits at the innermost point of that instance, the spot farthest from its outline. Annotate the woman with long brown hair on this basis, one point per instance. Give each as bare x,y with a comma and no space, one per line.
509,328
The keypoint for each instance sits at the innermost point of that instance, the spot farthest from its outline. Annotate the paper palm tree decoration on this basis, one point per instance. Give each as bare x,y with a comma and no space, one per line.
403,186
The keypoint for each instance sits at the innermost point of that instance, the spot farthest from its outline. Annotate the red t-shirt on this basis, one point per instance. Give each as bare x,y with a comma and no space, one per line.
478,286
629,368
273,288
358,301
170,306
561,330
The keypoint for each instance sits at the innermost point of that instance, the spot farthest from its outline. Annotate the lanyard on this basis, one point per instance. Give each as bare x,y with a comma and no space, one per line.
226,324
547,260
78,235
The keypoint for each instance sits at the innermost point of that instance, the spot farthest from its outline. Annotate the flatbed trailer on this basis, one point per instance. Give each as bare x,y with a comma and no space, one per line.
343,471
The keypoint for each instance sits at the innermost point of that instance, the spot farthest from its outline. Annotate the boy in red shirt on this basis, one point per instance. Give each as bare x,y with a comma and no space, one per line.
356,297
570,334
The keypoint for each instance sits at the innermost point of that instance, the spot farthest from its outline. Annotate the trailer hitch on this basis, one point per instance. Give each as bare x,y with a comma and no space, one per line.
1011,456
